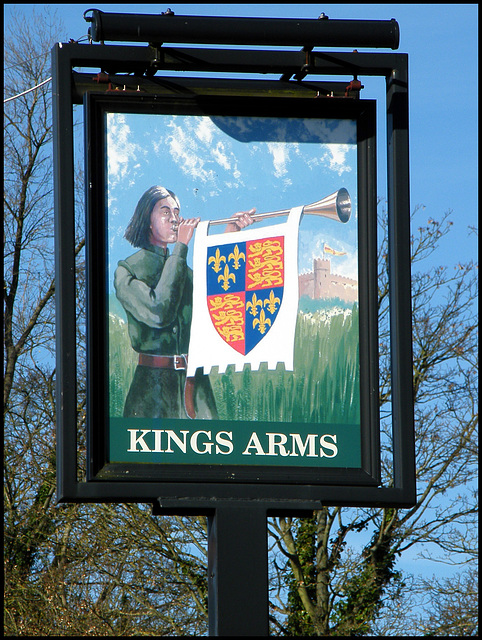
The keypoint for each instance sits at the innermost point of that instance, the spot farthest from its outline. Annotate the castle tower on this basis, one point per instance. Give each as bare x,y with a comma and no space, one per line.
322,278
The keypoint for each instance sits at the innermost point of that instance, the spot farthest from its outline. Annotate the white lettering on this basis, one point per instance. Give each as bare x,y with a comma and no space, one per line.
182,444
207,445
138,440
328,445
273,444
202,442
157,440
222,442
254,443
309,443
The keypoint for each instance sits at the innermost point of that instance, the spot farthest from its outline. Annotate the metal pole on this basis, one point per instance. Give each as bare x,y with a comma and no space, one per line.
155,28
65,285
398,168
238,571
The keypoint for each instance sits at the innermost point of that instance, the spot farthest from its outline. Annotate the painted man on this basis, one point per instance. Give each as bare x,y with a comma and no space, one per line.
154,286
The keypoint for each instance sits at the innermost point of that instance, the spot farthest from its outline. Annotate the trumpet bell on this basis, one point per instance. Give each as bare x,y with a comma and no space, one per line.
336,206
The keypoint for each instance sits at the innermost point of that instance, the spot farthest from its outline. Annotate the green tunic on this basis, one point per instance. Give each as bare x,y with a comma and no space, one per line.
155,289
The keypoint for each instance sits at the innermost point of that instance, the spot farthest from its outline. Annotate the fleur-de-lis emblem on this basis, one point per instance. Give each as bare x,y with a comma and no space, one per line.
262,321
217,259
254,305
237,255
271,302
226,277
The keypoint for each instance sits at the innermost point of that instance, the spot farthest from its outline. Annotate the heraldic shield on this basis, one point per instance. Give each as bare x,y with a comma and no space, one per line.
245,296
245,283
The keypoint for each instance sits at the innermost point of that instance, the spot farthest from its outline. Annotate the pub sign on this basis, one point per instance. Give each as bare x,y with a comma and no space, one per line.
231,290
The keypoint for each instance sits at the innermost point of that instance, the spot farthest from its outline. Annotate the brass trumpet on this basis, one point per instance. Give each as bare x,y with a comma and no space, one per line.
336,206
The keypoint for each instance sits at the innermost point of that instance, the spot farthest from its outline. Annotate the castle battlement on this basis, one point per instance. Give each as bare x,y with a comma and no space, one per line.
322,284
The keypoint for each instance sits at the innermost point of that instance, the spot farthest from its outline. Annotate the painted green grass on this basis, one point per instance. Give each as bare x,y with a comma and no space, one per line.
323,388
122,364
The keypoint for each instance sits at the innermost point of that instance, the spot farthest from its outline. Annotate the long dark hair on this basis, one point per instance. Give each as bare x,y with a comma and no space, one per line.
137,232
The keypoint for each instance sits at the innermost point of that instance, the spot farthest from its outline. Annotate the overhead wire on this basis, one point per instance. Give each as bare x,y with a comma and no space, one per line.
28,90
19,64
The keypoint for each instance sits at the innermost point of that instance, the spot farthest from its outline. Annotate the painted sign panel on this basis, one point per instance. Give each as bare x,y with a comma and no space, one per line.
228,344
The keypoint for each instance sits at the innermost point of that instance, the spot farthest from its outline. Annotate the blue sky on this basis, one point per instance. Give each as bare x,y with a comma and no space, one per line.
442,43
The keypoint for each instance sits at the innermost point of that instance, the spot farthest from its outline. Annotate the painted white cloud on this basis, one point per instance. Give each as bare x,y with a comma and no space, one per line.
205,130
336,158
121,151
280,158
185,150
195,146
220,156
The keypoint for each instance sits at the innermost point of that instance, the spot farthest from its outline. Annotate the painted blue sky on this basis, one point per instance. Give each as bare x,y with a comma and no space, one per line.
217,166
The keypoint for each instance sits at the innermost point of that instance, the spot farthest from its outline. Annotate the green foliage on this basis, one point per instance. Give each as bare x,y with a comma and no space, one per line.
23,541
359,599
362,597
25,536
195,572
298,621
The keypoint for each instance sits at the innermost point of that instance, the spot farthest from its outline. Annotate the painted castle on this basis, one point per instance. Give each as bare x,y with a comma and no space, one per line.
321,283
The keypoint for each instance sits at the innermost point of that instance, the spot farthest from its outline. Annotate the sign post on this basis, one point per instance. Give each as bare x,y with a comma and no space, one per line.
238,571
258,395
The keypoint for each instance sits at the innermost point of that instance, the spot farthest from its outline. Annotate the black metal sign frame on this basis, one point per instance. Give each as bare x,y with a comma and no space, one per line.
199,495
366,473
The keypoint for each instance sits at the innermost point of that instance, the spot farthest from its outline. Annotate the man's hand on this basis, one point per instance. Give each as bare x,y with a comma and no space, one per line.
241,220
186,229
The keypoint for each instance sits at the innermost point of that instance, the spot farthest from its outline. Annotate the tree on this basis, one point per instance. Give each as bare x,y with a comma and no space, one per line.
28,312
453,609
68,569
335,589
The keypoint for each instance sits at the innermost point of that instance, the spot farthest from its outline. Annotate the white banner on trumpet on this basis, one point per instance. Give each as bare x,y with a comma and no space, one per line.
245,298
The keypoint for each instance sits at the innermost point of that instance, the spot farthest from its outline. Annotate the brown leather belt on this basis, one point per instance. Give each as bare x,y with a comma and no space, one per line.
179,363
